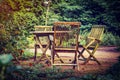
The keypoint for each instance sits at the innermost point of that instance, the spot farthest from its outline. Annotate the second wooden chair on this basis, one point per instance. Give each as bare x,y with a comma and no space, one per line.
65,35
92,43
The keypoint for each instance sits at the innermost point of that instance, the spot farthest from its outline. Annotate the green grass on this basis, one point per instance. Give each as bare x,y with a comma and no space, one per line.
29,54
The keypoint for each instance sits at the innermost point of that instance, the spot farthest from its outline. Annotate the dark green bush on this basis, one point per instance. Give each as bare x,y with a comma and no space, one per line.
14,32
115,70
37,72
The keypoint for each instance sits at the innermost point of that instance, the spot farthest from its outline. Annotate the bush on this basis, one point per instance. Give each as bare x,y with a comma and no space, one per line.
37,72
115,70
14,32
5,60
109,39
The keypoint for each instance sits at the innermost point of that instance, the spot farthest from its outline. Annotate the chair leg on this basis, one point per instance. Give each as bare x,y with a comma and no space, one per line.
81,54
75,59
91,55
73,62
90,58
96,60
86,61
35,53
59,57
53,57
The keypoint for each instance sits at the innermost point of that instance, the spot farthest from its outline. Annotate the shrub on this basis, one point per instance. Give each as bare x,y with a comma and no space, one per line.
115,70
13,36
4,62
109,39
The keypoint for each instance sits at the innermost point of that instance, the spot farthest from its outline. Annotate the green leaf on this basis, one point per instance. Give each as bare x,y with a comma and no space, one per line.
5,59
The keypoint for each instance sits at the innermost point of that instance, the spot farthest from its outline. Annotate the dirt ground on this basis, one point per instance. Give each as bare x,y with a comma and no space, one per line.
106,55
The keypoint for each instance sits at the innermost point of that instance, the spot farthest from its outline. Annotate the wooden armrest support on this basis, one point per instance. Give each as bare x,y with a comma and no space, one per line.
95,39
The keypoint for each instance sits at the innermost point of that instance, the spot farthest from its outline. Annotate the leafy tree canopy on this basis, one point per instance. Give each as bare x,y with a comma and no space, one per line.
19,16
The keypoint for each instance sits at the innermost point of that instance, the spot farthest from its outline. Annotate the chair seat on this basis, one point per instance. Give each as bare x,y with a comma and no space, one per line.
90,47
65,49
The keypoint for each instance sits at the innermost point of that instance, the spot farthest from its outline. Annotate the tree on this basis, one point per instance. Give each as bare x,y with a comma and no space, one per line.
91,12
18,21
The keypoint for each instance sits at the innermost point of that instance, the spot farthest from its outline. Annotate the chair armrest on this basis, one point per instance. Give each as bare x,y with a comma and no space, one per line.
98,40
91,37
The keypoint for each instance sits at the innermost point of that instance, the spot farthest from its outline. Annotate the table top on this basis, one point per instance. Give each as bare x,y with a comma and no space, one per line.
48,32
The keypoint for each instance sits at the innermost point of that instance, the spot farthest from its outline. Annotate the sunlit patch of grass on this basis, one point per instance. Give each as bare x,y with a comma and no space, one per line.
31,41
29,53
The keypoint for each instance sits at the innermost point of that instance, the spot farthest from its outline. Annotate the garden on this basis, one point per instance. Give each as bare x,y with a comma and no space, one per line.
18,18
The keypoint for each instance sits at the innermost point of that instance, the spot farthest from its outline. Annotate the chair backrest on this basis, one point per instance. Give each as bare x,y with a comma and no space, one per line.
96,32
66,34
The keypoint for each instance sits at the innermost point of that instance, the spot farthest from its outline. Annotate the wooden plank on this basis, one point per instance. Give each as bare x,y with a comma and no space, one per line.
65,64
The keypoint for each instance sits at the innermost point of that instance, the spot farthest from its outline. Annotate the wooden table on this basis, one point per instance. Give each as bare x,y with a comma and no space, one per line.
37,34
49,35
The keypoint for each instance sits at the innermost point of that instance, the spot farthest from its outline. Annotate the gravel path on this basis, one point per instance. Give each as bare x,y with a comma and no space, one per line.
106,55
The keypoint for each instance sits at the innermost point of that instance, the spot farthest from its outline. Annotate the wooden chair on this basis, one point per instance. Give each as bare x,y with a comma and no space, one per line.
92,43
65,35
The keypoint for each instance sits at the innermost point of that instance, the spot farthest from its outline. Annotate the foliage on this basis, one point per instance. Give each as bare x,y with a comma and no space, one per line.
19,16
4,62
22,24
37,72
5,59
90,12
11,6
28,54
115,70
16,31
110,39
4,39
17,24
